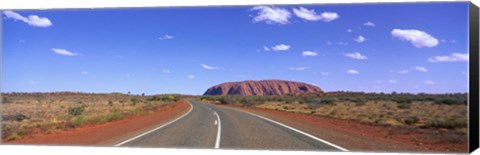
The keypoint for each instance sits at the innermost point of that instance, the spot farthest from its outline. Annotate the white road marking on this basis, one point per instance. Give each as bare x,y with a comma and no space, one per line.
296,130
145,133
219,130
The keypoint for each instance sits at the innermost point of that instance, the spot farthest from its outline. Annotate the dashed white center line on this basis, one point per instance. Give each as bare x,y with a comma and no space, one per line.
219,130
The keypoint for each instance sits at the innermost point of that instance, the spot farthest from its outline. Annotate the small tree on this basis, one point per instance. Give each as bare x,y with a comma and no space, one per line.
134,101
360,101
110,102
78,110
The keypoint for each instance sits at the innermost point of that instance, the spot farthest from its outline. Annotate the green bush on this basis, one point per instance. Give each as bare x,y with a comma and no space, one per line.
78,110
77,121
411,120
447,123
111,117
328,101
450,100
403,105
360,101
134,101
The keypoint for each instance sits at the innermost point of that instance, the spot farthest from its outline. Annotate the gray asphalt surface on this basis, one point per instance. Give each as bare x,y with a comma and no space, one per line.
239,130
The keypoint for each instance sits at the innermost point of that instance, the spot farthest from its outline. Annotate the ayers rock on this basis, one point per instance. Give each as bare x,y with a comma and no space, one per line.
261,88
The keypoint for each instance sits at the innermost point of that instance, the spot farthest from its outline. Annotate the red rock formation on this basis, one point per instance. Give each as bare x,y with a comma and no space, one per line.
261,88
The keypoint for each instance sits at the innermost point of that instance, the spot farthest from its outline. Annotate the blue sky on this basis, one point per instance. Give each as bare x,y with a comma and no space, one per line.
417,47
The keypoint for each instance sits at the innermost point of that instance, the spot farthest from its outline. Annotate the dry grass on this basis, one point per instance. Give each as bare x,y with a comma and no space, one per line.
48,112
415,114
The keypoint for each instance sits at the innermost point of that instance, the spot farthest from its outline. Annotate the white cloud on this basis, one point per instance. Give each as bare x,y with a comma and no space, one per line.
329,43
272,15
298,68
392,81
309,53
378,81
349,30
356,55
329,16
32,20
64,52
210,67
420,69
360,39
166,71
84,72
32,82
324,73
311,15
191,77
417,38
306,14
281,47
342,43
127,75
266,48
455,57
405,71
428,82
21,41
369,24
166,37
352,71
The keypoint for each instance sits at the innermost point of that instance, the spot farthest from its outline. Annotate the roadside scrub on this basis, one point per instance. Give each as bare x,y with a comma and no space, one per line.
434,111
26,114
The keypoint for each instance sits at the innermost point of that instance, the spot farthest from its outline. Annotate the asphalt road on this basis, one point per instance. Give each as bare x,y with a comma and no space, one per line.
210,126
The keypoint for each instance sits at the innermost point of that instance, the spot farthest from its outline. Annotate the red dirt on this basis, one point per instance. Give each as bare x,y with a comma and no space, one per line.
107,133
357,136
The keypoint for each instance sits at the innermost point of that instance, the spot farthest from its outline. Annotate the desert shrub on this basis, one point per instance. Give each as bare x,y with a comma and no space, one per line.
226,100
401,100
411,120
403,105
168,98
77,121
360,101
75,111
328,101
5,100
246,104
110,102
450,100
312,105
447,123
246,100
134,101
110,117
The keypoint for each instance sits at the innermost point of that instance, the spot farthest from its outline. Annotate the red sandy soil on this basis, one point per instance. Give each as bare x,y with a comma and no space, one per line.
108,133
356,136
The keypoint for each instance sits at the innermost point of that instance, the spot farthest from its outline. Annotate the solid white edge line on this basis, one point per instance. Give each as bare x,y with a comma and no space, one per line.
219,130
296,130
150,131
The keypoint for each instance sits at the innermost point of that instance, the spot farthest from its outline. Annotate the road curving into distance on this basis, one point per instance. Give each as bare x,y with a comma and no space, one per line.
211,126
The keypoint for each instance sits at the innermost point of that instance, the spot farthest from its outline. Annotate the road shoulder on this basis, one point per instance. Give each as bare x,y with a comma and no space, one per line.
354,136
110,133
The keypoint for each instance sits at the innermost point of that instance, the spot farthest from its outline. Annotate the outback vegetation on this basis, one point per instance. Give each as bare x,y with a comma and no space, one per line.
432,111
24,114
